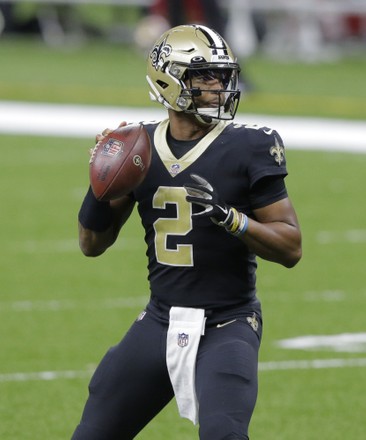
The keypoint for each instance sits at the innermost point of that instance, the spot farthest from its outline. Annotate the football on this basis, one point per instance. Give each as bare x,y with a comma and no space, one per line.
120,162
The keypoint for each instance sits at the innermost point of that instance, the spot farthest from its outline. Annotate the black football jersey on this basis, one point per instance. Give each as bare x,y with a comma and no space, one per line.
194,262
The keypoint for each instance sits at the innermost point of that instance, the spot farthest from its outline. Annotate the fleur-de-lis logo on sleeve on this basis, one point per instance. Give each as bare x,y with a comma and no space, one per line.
278,152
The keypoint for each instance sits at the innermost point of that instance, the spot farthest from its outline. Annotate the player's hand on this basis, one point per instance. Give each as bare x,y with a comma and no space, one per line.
201,193
100,136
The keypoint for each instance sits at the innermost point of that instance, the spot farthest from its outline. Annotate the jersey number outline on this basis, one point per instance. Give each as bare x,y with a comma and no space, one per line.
180,225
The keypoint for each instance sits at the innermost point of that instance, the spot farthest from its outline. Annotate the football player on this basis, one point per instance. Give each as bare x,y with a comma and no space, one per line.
213,200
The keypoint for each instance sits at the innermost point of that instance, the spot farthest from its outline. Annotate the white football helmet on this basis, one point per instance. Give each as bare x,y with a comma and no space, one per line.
185,52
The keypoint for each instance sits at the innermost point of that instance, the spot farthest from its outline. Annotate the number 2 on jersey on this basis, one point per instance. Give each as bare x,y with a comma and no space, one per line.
180,225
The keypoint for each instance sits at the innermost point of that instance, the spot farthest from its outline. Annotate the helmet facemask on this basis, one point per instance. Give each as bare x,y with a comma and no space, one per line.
224,106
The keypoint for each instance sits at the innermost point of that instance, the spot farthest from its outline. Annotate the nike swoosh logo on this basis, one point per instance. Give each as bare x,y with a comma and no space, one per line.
224,210
225,323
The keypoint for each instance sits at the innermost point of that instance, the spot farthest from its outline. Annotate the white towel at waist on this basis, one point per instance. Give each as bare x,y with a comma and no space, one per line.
186,325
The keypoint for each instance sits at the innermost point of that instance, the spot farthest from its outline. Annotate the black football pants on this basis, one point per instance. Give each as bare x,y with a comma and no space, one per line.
131,384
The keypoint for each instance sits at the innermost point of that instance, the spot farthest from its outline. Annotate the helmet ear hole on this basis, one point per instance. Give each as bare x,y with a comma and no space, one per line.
162,84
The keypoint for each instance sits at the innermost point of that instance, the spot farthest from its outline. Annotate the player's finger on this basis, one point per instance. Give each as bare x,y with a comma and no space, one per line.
122,124
99,137
106,131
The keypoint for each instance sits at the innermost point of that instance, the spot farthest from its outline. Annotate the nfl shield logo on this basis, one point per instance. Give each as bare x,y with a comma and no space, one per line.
183,339
112,148
175,169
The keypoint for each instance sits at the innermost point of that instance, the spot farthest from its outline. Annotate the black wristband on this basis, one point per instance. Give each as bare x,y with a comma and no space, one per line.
95,215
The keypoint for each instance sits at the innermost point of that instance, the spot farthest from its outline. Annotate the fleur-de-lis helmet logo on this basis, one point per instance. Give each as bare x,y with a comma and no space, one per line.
159,53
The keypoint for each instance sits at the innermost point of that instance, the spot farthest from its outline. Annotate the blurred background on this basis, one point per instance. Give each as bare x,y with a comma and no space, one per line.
312,30
69,69
292,53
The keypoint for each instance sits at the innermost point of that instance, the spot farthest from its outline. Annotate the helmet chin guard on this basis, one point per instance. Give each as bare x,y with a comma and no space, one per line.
213,115
183,53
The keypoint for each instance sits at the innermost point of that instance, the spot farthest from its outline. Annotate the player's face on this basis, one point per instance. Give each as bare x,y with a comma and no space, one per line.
210,82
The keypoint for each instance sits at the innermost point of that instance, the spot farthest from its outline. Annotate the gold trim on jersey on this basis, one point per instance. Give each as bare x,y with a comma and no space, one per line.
171,163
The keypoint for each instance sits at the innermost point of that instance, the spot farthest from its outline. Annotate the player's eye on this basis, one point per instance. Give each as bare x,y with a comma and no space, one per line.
204,75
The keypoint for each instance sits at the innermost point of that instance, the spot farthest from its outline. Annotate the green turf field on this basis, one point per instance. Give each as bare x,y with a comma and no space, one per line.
113,75
59,311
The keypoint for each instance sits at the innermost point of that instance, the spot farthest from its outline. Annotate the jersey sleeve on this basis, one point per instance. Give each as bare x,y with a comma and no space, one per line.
267,191
267,155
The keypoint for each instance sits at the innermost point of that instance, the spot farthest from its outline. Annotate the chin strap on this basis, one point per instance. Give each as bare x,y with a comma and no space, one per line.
206,120
212,115
208,116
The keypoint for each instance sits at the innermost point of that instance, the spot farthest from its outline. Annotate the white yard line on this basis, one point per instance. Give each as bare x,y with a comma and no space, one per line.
60,305
356,236
70,245
44,375
66,245
342,342
86,121
56,305
314,364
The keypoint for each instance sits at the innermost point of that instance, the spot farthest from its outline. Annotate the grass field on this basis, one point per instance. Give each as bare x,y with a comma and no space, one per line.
59,311
113,75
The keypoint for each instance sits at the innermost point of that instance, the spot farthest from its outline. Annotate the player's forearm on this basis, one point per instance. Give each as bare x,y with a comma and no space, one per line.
92,243
276,241
100,223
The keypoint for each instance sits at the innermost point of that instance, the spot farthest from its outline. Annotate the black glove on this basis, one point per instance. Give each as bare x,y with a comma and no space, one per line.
202,193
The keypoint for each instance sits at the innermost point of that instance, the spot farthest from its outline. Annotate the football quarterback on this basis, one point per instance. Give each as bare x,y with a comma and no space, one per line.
213,200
